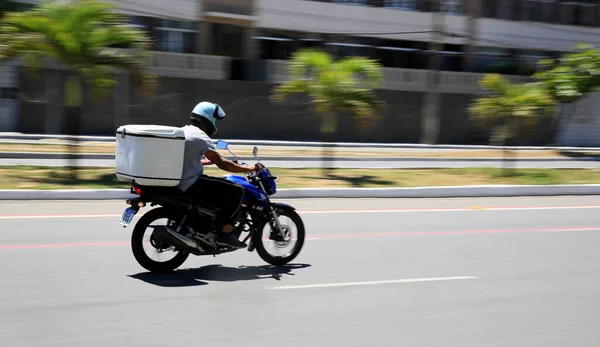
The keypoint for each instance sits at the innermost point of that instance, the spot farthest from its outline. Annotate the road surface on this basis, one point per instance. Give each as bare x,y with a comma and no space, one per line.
401,164
519,272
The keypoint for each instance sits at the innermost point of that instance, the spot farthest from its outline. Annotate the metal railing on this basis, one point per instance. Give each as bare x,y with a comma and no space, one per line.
191,65
408,79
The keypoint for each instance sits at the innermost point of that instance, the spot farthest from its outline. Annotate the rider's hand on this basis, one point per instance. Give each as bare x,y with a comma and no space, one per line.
206,162
255,168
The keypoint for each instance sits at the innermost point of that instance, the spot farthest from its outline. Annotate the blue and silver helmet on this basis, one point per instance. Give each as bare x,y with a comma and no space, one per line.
210,112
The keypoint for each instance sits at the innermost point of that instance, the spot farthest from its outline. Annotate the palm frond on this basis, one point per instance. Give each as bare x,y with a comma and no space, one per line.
117,35
83,35
356,67
292,87
307,63
334,86
133,64
511,109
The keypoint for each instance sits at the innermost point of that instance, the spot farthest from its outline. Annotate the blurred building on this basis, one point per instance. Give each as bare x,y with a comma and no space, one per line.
202,47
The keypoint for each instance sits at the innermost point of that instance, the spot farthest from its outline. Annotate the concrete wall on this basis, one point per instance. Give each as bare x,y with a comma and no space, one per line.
250,112
8,103
251,115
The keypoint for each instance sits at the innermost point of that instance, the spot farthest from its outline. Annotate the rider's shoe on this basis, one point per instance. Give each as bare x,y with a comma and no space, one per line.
228,239
212,239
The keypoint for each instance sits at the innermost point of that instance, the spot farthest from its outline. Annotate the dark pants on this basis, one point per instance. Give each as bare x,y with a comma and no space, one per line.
217,193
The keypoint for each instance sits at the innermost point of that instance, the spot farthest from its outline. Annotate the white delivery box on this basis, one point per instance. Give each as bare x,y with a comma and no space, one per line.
150,155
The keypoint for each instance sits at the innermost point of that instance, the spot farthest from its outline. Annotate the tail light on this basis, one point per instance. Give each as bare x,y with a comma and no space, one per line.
137,190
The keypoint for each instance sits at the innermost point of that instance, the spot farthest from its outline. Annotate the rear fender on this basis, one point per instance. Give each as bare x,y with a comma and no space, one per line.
136,202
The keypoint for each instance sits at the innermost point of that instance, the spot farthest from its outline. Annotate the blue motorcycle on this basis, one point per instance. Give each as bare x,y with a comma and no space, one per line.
164,237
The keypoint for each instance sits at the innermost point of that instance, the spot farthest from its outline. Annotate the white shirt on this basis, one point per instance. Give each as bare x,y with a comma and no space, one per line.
196,143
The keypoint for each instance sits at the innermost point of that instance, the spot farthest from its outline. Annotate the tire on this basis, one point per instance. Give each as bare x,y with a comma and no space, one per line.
259,243
137,246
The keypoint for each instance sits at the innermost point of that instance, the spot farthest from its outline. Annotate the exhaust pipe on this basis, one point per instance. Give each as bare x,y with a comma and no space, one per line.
172,238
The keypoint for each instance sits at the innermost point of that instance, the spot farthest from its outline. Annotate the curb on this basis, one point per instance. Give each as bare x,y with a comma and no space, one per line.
59,156
332,193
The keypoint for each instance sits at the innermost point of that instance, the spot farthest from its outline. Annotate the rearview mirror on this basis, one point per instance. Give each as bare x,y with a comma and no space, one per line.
255,151
222,144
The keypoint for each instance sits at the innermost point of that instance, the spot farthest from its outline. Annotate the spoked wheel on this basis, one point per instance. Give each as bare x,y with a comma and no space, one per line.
150,251
277,249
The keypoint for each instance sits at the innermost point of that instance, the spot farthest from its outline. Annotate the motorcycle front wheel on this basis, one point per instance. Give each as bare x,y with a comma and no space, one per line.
274,248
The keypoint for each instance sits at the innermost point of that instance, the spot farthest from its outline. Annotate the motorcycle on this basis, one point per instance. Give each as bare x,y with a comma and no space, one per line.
186,228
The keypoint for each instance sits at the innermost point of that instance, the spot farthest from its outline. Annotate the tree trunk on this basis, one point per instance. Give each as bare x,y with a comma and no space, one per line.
505,161
509,133
72,104
329,129
73,116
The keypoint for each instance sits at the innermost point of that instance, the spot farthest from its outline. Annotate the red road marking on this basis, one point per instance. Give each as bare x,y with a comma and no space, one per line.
337,236
457,232
65,245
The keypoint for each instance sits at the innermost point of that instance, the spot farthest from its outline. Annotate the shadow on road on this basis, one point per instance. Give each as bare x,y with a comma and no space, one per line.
579,155
361,180
217,273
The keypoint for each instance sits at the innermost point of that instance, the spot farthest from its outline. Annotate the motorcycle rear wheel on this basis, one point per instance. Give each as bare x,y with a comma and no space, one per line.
137,244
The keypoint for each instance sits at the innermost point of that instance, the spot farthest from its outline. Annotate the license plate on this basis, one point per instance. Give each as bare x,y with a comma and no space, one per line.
127,216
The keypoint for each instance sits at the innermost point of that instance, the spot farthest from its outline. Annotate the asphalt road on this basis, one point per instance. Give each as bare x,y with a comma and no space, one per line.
442,272
403,164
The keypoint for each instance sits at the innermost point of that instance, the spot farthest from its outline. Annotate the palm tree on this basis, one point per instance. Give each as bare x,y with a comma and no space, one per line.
511,110
568,79
345,85
88,38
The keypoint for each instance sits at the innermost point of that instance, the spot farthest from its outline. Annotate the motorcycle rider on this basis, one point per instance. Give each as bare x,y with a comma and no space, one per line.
205,190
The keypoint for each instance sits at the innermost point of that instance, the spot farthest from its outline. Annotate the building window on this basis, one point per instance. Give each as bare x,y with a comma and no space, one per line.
343,49
351,2
585,13
453,7
176,36
277,48
8,93
228,40
401,4
137,22
500,9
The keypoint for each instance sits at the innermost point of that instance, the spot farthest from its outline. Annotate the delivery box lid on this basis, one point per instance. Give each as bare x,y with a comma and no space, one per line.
151,131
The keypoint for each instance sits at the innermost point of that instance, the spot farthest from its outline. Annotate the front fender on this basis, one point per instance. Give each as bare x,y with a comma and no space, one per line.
265,214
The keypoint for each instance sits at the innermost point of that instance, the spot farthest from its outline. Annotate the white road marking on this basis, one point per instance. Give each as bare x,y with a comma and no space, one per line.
370,283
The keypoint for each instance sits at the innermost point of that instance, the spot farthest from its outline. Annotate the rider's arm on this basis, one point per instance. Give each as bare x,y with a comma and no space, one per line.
226,164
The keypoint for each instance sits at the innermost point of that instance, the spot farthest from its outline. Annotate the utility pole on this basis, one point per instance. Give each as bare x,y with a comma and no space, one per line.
430,121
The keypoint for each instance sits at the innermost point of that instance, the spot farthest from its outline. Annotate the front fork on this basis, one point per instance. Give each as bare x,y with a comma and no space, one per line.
277,223
275,216
258,233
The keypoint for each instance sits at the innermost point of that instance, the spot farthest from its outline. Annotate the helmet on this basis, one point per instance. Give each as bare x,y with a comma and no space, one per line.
208,113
